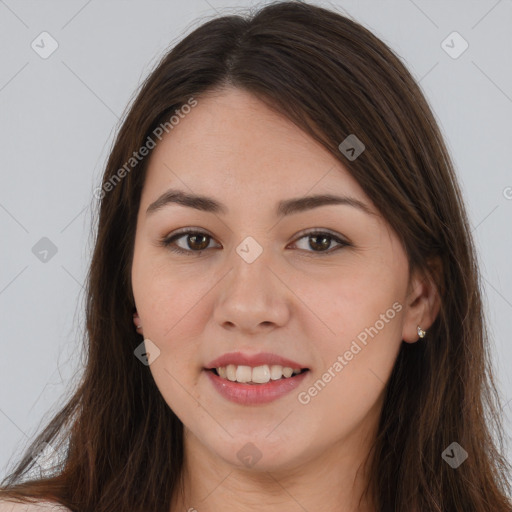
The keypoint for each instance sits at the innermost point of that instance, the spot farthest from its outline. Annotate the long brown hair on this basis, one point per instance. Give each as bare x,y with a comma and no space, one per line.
123,445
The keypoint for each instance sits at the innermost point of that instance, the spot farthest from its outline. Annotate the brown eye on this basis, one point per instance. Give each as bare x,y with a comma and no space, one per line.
187,242
198,241
192,242
320,242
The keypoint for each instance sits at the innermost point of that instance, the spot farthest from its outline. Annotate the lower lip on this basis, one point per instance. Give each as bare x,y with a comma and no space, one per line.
249,394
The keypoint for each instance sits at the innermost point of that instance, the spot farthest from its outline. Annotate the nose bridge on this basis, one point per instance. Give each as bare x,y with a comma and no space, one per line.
251,264
251,295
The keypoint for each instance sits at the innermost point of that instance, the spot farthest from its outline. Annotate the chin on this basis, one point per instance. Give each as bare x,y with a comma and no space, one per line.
259,454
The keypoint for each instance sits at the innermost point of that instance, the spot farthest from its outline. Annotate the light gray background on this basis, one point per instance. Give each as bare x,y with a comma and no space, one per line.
57,121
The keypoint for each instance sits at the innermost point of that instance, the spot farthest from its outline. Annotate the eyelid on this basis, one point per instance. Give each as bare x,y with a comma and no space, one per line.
339,239
323,231
168,240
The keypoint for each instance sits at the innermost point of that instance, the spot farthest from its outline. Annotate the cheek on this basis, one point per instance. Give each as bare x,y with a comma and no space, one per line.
169,297
350,302
348,386
173,308
361,314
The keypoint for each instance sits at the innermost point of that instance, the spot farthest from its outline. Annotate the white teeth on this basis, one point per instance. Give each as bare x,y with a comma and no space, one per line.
243,373
276,372
287,371
261,374
258,375
230,372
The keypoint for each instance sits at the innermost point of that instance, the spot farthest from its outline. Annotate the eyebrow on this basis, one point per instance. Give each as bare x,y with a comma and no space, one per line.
285,207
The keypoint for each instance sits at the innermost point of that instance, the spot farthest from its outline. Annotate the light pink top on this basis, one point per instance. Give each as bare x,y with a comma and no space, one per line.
40,506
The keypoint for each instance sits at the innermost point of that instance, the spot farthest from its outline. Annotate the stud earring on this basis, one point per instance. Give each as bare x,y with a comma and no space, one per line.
421,332
135,321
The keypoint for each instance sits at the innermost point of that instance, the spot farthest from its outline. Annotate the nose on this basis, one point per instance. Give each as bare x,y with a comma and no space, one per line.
252,297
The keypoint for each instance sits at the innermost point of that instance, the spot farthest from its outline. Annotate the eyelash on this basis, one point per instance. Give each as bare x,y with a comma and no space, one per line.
168,241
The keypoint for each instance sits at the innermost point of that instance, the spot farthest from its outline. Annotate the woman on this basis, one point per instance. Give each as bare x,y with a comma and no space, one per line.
284,307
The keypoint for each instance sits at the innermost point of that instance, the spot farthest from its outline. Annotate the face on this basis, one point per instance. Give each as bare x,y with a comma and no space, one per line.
320,287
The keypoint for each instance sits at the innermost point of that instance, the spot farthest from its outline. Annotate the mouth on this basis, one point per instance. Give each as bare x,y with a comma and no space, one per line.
255,385
257,375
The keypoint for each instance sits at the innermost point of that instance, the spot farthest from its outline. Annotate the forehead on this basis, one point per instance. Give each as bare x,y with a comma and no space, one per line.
234,144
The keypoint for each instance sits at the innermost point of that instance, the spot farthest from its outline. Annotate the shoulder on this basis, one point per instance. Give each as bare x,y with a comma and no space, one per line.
38,506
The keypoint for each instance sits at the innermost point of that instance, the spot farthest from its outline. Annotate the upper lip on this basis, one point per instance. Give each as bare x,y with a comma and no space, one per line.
260,359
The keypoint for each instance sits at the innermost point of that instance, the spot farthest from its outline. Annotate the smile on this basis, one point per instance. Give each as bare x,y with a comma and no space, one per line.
254,393
255,375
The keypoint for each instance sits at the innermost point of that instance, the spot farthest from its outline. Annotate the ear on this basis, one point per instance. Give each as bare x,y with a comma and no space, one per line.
137,322
423,300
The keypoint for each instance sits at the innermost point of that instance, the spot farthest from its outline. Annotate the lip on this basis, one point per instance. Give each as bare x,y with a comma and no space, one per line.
239,358
252,394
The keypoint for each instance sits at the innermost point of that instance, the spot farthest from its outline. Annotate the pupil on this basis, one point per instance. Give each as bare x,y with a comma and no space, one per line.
203,246
324,245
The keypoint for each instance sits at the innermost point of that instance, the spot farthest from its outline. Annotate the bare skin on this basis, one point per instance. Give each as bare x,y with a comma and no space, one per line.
304,297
